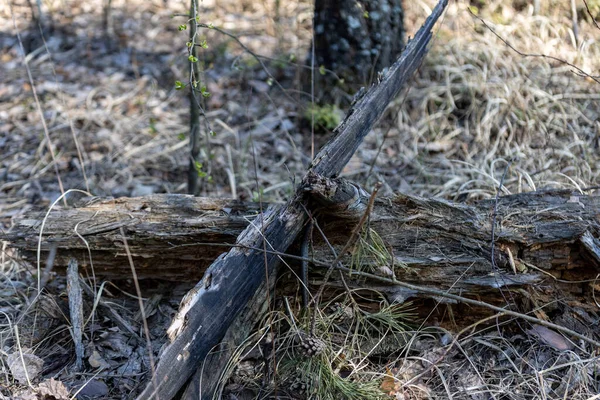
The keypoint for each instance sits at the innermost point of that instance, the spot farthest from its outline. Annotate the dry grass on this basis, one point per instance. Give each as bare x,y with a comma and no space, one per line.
477,106
475,109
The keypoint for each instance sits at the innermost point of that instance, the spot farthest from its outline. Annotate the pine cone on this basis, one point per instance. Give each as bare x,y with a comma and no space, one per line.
299,387
340,313
311,346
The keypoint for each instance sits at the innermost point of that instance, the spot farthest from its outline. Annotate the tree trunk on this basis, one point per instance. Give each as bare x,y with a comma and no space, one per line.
194,95
356,40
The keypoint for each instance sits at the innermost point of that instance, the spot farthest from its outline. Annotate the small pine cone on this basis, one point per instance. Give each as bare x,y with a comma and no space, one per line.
311,346
299,387
340,313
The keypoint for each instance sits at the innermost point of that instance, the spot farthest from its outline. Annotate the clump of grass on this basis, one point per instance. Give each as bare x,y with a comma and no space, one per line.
321,378
326,116
333,362
478,107
370,251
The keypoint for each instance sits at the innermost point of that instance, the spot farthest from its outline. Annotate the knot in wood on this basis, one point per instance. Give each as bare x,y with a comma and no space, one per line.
337,197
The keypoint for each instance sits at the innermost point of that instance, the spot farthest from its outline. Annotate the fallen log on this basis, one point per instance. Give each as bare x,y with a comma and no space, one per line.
547,253
547,236
162,234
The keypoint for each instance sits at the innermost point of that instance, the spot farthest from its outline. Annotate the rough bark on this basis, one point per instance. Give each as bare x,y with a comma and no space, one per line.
208,379
356,39
539,236
195,108
170,237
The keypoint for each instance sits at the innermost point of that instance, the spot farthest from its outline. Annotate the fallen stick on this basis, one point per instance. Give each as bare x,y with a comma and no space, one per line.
234,277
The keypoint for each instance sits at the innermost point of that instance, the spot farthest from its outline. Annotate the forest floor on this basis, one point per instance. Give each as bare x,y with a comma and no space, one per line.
503,96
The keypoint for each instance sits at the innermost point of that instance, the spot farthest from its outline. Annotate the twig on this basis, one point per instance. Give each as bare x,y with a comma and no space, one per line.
579,70
39,106
353,238
590,14
575,22
75,310
385,136
478,303
39,246
196,109
335,255
454,341
421,289
109,312
434,292
257,58
142,311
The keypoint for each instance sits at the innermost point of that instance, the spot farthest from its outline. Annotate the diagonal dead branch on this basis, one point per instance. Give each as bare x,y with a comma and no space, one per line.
236,275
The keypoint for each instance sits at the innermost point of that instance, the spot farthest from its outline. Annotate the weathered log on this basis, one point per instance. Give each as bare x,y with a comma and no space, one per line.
209,376
163,234
538,235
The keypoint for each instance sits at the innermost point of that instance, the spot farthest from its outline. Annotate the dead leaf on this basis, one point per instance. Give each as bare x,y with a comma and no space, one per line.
390,384
550,338
114,345
52,389
24,364
27,394
96,361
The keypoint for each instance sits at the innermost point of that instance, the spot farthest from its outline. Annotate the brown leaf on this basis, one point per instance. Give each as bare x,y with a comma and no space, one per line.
96,361
24,364
550,338
390,384
52,389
